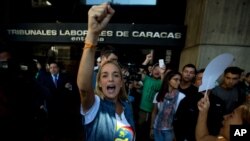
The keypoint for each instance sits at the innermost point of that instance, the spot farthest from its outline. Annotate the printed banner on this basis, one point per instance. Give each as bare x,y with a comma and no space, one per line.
141,34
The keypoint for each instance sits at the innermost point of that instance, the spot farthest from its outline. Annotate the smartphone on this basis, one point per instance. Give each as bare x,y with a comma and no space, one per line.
161,63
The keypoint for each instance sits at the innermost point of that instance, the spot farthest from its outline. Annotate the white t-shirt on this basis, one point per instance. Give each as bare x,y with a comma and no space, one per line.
124,131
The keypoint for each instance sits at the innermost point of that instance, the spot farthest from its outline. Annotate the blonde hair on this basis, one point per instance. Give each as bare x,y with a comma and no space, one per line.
122,93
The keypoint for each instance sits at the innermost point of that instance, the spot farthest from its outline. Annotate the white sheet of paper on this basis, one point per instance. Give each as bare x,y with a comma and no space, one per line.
214,69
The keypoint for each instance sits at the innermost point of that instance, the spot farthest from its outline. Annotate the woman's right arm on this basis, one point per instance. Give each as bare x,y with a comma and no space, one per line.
201,132
98,18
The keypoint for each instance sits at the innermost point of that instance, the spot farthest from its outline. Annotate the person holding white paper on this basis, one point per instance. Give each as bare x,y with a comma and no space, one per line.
240,116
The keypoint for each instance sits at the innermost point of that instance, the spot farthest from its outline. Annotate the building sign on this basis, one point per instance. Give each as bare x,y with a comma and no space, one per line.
140,34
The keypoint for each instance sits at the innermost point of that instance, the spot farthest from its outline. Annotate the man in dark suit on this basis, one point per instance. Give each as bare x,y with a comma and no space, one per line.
63,104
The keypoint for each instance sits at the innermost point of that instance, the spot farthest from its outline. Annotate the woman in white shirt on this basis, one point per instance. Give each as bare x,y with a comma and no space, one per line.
166,102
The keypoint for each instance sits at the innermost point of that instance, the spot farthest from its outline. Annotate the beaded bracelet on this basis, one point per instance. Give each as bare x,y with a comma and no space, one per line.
89,45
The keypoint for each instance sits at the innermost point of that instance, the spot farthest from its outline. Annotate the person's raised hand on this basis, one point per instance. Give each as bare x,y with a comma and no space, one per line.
204,104
149,57
98,17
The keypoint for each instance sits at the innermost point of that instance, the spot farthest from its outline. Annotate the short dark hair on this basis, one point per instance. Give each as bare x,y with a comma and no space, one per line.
200,70
233,70
59,64
53,62
190,66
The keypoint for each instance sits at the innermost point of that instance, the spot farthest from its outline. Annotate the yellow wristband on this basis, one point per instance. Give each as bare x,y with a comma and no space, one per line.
89,45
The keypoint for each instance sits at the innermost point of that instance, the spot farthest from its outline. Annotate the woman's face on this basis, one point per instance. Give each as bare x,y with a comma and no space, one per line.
110,81
233,118
175,81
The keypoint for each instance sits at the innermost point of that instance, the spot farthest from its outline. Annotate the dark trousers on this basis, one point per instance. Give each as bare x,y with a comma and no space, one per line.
143,126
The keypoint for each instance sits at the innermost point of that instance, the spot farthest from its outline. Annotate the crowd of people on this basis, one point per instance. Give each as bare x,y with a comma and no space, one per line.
37,103
110,102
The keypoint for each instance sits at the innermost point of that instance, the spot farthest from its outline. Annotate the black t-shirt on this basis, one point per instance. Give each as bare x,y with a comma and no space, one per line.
187,114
